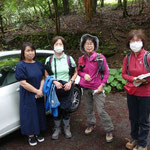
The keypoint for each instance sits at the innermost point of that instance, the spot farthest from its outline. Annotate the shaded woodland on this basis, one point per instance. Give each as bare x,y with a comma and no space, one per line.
39,21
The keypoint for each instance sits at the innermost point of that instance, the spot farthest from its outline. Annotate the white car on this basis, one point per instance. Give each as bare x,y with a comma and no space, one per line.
9,90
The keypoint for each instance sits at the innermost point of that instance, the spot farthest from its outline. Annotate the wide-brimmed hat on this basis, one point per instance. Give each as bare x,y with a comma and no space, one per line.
89,36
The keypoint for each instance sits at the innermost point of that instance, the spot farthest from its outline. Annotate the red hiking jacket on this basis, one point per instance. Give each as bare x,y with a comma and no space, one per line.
136,68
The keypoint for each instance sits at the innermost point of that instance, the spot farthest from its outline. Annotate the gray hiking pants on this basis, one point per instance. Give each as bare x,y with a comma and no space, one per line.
97,100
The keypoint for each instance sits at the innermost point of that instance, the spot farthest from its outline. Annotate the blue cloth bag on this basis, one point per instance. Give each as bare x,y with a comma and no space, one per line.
52,101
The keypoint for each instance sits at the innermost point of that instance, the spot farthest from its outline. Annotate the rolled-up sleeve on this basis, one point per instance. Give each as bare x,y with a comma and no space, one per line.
20,73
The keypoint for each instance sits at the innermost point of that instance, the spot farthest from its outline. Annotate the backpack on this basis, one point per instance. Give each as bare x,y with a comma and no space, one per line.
145,60
49,69
100,63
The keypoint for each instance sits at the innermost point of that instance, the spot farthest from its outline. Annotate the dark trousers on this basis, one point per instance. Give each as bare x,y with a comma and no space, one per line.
139,110
65,99
62,114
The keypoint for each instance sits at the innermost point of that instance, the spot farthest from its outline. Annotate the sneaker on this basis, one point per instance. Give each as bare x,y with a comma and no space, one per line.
32,141
142,148
109,137
136,147
39,138
131,144
90,128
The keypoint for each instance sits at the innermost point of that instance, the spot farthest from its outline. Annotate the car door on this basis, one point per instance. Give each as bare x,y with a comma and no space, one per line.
9,90
9,96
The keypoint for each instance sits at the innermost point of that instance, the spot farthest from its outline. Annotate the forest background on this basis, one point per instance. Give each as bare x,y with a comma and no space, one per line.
38,21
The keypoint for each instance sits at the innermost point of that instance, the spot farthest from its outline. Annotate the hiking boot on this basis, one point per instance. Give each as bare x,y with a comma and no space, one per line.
56,133
131,144
32,141
136,147
57,130
109,137
90,128
39,138
67,131
140,148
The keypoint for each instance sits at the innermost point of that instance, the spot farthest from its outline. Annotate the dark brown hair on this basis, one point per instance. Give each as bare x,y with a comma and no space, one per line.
91,39
24,45
56,38
139,33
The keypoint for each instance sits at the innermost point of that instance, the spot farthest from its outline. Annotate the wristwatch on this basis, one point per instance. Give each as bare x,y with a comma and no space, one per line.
72,81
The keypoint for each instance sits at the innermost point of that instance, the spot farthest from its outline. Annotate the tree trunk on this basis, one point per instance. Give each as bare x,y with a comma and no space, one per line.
125,12
57,19
94,6
88,9
1,18
41,13
80,4
36,13
119,3
1,24
102,3
50,10
66,7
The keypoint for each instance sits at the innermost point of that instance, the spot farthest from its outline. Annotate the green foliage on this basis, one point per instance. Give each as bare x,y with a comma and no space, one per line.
43,40
107,50
115,81
125,52
108,89
33,12
8,64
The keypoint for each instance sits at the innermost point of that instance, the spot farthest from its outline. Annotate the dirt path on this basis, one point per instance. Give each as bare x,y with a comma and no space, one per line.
115,105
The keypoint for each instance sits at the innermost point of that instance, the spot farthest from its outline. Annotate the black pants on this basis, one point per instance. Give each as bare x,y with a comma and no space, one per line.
65,99
62,114
139,110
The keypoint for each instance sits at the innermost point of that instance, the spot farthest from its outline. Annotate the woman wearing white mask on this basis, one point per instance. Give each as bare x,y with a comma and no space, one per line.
63,69
139,99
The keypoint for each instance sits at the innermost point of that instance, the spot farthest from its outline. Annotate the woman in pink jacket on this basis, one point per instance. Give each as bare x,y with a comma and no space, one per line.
138,98
94,73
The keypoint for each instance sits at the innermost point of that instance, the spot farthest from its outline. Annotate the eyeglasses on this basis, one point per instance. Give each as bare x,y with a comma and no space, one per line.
89,44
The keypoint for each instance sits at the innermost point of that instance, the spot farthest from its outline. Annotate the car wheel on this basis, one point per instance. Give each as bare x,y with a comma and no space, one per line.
76,99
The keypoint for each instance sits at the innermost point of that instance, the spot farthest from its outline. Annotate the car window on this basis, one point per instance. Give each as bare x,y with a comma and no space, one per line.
8,67
7,71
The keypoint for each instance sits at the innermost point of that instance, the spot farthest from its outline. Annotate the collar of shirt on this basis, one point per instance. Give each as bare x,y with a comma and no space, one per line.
140,54
92,57
60,57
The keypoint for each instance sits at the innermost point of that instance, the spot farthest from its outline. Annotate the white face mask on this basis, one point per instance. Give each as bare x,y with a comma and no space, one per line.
58,49
136,46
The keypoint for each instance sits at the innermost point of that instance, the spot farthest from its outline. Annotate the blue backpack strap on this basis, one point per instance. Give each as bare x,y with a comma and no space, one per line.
145,60
127,66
